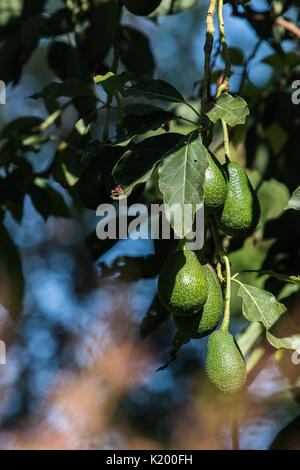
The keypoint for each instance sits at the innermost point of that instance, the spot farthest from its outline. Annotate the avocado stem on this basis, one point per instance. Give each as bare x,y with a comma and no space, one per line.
226,140
226,318
222,256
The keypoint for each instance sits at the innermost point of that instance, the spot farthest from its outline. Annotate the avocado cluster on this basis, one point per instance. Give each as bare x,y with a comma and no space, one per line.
229,195
193,294
207,319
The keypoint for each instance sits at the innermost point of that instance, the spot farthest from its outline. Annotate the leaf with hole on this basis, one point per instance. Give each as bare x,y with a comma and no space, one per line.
140,160
151,89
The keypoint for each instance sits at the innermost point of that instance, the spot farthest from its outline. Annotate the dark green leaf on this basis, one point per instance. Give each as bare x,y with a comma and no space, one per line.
47,200
11,275
151,89
20,127
59,23
273,197
236,56
232,109
288,60
135,51
98,37
139,161
71,88
136,124
181,179
111,82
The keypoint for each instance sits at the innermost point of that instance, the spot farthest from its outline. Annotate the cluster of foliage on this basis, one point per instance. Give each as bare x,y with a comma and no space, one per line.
101,65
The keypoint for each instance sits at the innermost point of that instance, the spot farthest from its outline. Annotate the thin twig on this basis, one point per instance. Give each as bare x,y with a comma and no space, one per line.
227,60
210,29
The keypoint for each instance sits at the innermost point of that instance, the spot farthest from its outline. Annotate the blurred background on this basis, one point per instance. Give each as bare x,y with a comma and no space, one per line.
82,355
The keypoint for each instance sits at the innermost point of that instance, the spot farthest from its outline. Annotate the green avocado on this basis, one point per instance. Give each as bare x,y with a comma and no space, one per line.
207,320
215,185
182,285
141,7
241,210
225,365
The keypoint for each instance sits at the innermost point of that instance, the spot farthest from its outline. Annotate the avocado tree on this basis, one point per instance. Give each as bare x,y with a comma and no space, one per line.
229,143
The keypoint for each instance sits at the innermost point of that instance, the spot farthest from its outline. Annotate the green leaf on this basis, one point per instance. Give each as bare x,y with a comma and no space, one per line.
61,59
9,9
273,197
236,56
288,60
47,200
135,51
232,109
71,88
294,202
284,334
20,127
11,274
98,37
181,178
140,160
111,82
136,124
281,277
151,89
70,159
59,23
260,305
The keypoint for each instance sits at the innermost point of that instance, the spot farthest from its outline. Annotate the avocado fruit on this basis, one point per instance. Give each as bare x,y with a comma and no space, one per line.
205,321
225,365
182,284
215,185
141,7
241,210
